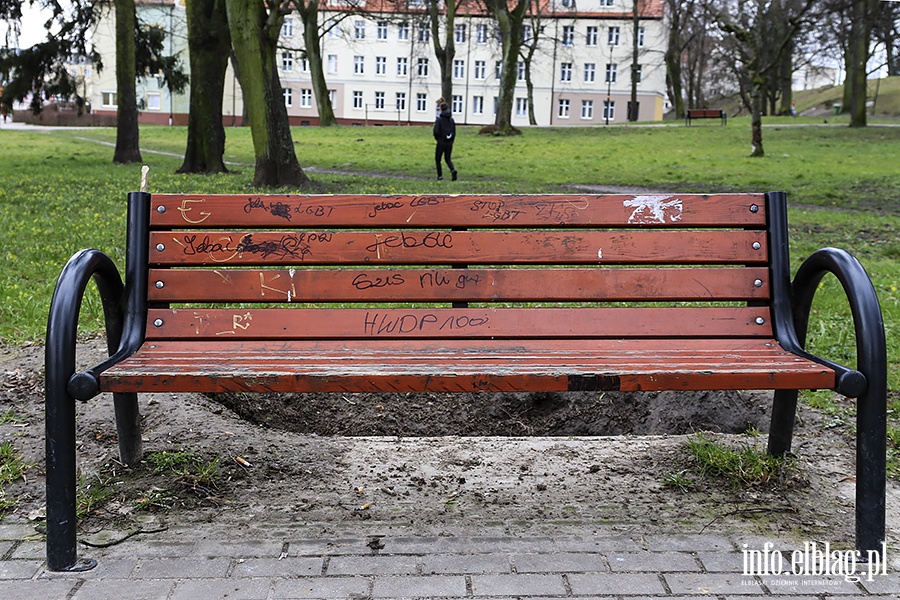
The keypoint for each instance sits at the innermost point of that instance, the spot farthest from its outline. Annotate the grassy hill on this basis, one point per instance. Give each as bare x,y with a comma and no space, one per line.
885,93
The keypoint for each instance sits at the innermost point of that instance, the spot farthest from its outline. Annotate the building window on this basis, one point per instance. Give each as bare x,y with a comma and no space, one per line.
359,65
590,39
379,100
332,64
402,66
359,30
637,73
521,107
609,110
498,68
306,98
424,33
610,74
480,70
568,35
288,94
520,71
421,102
332,96
403,30
587,109
459,69
607,2
640,36
496,105
154,101
422,67
613,37
287,61
381,65
304,65
565,71
589,72
400,100
381,30
567,3
287,27
477,105
481,33
456,104
563,111
357,99
526,34
459,34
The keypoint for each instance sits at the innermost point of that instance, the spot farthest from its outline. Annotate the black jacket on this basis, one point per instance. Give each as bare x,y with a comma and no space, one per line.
445,128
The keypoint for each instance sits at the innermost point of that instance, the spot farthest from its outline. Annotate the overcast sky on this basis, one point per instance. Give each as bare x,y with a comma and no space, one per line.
32,27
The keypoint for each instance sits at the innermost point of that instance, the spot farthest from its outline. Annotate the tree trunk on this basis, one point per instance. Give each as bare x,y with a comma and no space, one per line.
859,54
785,73
209,44
635,62
756,100
510,25
446,52
529,86
127,134
309,14
254,36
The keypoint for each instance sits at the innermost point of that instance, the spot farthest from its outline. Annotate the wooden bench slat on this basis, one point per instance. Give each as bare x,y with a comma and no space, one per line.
459,285
552,365
470,247
663,210
406,323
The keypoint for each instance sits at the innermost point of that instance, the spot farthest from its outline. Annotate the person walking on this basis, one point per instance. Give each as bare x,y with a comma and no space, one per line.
444,135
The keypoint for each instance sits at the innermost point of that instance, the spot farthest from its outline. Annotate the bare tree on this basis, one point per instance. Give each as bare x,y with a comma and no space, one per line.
127,133
255,27
209,47
864,12
757,48
509,24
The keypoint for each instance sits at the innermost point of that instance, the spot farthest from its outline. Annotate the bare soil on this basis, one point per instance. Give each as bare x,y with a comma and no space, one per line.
432,464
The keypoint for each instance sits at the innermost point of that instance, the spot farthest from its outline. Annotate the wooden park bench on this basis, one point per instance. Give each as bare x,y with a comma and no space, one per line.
456,293
705,113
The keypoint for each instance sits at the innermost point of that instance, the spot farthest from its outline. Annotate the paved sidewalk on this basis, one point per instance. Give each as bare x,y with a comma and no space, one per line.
353,561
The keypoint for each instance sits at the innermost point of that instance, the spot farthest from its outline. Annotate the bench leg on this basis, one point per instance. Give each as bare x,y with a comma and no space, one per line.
128,428
871,471
61,481
781,428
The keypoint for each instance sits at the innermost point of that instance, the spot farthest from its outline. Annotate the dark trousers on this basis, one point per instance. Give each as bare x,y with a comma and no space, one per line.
444,150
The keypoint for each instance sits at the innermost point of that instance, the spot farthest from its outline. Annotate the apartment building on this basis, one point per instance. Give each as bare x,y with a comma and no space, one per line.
381,69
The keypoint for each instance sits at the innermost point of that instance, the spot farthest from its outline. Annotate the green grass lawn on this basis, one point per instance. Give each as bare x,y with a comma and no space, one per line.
60,192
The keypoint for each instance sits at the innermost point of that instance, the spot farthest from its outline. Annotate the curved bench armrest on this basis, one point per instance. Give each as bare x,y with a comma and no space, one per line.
62,322
871,348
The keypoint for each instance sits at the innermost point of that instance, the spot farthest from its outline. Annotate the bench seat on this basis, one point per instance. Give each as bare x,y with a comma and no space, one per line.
464,366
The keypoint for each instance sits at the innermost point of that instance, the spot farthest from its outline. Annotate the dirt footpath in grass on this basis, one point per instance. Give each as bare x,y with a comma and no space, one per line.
433,464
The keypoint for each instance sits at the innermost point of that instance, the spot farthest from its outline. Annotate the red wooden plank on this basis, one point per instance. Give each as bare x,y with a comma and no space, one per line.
381,323
316,212
447,366
196,247
469,285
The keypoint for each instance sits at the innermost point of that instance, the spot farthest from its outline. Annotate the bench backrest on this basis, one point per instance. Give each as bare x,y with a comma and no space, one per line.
699,113
458,266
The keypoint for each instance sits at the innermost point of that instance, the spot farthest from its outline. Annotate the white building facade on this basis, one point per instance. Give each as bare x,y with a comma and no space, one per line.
380,65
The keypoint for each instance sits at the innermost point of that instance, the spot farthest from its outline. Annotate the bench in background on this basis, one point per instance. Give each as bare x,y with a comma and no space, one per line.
705,113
